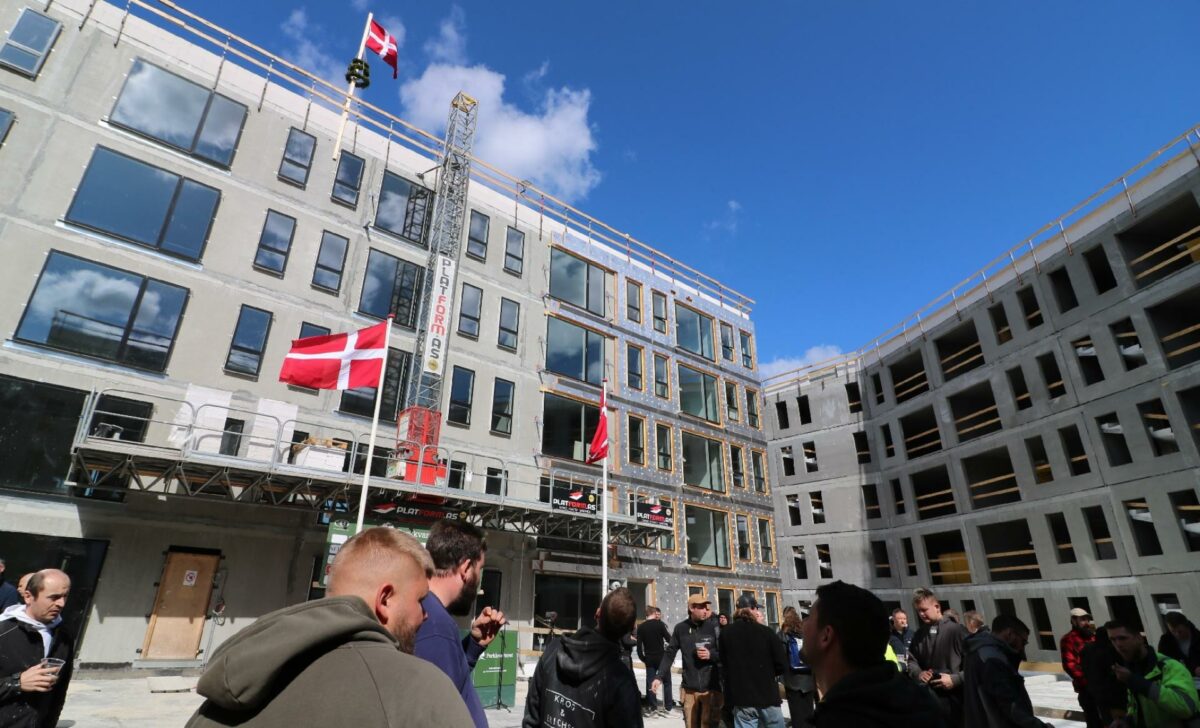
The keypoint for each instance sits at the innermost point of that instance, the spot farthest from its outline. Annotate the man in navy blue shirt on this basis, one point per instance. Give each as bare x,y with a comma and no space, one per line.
458,550
9,595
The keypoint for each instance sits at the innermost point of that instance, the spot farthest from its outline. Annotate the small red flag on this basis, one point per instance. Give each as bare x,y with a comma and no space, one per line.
598,450
384,44
337,361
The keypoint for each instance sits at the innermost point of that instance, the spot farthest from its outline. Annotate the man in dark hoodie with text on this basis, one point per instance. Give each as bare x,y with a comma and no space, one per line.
338,661
845,637
581,681
994,694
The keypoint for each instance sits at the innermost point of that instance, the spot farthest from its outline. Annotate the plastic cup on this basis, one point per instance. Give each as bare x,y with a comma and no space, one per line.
54,664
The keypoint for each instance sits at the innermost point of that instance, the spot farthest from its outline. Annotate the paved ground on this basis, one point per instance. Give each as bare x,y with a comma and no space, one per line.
128,702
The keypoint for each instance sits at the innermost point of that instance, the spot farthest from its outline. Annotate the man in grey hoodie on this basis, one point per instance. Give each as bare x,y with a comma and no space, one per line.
342,660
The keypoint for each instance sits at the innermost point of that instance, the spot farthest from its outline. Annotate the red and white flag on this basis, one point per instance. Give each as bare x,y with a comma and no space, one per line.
337,361
598,450
380,41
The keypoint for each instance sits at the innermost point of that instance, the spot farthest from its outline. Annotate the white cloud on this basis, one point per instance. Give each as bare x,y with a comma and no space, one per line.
727,223
360,5
307,51
814,355
450,43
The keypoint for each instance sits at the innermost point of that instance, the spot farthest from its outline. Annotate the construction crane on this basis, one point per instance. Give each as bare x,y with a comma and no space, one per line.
419,425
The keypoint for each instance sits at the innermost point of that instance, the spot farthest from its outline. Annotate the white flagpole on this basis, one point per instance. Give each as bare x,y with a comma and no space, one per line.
362,497
604,499
362,47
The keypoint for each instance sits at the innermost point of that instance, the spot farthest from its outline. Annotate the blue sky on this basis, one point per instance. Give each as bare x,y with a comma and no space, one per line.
842,163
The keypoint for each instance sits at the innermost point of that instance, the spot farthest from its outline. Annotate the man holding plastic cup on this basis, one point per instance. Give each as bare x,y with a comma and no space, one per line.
696,639
35,654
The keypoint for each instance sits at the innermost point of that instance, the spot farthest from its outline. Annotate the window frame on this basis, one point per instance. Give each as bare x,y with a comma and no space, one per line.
758,472
341,271
737,538
585,433
286,252
404,362
716,394
741,459
42,54
658,450
233,346
655,298
418,289
666,384
629,440
748,352
711,331
519,269
422,239
481,257
514,332
8,119
307,167
466,406
466,316
512,406
709,444
357,187
728,351
759,522
753,411
588,267
733,409
630,347
727,541
630,307
604,345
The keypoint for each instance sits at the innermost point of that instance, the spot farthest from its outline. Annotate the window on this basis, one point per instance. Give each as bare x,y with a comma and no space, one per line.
862,448
889,447
633,367
702,464
1187,517
698,394
1051,375
348,179
759,472
179,113
275,242
694,331
231,437
816,505
6,120
947,558
910,557
799,563
249,341
361,400
781,414
1064,292
766,541
659,305
732,410
1039,460
136,202
510,320
1097,527
502,406
308,330
737,466
574,351
662,446
514,251
802,407
470,310
403,208
297,157
726,341
28,42
898,501
496,482
707,536
871,507
637,441
745,551
793,508
747,350
809,449
1158,426
1100,270
824,561
854,398
1089,361
578,282
1064,549
1112,435
752,408
1020,391
331,260
1009,552
1126,337
877,385
662,377
462,393
391,286
633,301
477,235
567,426
1141,523
1030,308
883,564
1077,460
787,459
1000,325
1041,623
102,312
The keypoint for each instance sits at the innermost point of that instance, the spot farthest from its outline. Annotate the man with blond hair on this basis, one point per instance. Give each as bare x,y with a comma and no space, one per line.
336,661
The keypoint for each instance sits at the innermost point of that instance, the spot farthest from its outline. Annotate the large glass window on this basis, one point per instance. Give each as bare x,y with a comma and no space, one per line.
348,179
760,476
662,377
462,393
732,410
502,406
28,42
103,312
633,301
391,286
694,331
574,351
179,113
658,305
741,531
578,282
275,242
698,394
331,259
766,541
702,466
510,322
737,466
146,205
514,251
633,367
663,448
726,341
469,311
747,350
361,400
477,235
249,341
403,208
567,427
637,440
707,536
297,157
752,408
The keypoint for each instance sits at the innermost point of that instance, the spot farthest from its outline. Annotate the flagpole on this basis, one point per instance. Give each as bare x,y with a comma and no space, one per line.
362,46
604,498
362,497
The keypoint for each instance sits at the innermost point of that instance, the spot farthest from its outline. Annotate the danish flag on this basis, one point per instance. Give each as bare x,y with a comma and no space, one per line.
598,450
384,44
337,361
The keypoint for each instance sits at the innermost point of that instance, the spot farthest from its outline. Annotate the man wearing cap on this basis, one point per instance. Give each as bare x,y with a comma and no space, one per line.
700,689
752,656
1071,646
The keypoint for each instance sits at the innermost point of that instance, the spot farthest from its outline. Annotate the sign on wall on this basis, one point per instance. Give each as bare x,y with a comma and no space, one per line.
437,319
574,498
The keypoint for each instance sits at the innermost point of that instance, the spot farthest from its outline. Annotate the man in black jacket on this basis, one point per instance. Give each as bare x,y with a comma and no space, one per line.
652,638
581,682
901,635
936,654
35,655
1181,642
845,638
700,688
994,694
752,656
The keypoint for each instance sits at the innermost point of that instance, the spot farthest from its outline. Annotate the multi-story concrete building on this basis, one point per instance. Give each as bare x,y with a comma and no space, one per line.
1028,442
175,209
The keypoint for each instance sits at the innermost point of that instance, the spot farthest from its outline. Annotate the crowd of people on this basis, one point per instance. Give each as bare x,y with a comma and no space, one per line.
388,620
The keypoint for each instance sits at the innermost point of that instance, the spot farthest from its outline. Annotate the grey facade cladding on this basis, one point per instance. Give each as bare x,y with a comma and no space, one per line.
67,112
1047,455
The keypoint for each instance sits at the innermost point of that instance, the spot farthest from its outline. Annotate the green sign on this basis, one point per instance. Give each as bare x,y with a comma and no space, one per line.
495,675
340,531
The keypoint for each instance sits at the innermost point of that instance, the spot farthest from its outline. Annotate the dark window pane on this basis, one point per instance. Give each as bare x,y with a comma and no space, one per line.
510,314
462,391
698,394
297,157
391,286
693,331
275,242
191,219
154,327
702,465
578,282
348,179
514,251
37,424
249,340
222,127
403,208
477,235
469,310
502,406
330,260
574,351
308,330
567,425
6,120
361,401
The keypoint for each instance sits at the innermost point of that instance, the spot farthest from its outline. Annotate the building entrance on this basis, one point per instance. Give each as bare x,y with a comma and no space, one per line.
181,605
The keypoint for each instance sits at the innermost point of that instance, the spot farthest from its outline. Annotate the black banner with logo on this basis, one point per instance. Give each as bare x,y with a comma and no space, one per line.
655,513
574,498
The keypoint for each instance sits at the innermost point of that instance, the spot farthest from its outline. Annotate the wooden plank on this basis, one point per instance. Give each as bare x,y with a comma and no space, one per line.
1181,332
977,413
989,481
963,363
1183,349
1004,554
1165,245
976,427
921,434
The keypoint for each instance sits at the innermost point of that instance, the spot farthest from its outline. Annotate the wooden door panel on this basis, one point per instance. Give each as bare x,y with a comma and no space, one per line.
177,622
